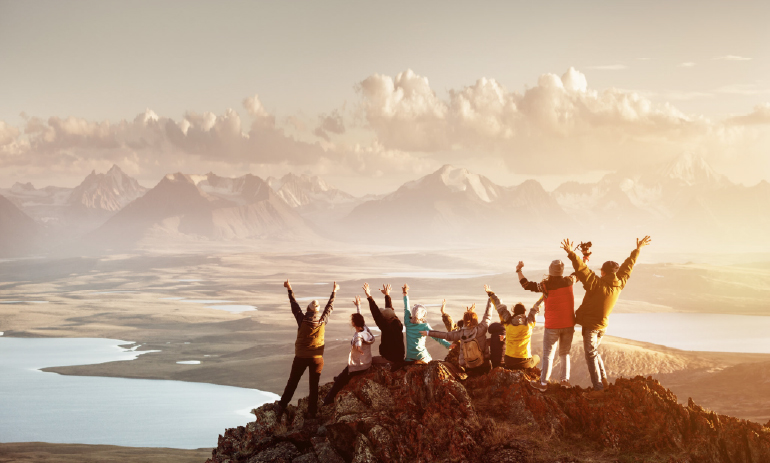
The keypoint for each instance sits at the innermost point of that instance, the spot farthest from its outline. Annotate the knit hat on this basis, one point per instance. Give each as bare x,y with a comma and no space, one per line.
556,269
312,308
610,267
388,312
418,313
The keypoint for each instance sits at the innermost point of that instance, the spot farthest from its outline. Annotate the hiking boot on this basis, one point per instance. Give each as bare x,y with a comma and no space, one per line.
605,382
565,383
538,385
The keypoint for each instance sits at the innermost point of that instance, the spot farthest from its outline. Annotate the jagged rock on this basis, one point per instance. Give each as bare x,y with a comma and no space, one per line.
421,413
325,452
284,452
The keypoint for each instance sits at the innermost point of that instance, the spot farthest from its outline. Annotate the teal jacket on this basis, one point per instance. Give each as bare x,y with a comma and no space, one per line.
415,342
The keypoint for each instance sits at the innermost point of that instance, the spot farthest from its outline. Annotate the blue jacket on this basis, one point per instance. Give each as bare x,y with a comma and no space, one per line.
415,342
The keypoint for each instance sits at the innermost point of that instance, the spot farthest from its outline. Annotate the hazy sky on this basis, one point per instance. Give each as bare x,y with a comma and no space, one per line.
370,95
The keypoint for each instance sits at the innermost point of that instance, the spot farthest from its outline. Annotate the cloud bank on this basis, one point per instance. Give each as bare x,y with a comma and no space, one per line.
399,124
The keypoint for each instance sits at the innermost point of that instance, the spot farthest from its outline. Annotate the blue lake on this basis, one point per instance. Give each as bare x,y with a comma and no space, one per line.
48,407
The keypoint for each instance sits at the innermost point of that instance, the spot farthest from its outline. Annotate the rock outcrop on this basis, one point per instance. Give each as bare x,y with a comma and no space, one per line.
423,414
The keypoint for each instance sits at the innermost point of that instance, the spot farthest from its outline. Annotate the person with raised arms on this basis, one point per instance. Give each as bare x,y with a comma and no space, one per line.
518,332
414,321
559,320
392,341
308,349
360,357
602,293
472,336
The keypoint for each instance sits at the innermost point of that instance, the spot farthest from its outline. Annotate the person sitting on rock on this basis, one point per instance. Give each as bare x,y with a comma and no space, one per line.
414,321
392,341
497,344
472,337
559,320
453,357
518,333
308,349
601,295
360,357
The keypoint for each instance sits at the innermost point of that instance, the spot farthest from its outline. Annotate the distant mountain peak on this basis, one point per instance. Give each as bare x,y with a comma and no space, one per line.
691,169
106,192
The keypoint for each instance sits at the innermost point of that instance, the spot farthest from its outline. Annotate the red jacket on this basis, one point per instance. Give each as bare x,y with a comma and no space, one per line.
559,300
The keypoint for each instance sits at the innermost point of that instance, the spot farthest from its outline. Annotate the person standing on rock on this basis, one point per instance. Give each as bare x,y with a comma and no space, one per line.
392,341
414,321
601,295
308,349
559,320
518,332
360,357
472,336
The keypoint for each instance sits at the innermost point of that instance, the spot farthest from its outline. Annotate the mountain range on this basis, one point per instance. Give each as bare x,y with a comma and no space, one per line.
684,202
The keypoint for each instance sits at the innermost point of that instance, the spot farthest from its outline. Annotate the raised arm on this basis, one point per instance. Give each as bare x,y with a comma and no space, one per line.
376,314
584,274
329,305
505,314
407,312
295,308
534,311
624,272
449,324
526,284
487,313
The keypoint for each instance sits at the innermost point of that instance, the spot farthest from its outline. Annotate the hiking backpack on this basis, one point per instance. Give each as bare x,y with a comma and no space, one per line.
472,353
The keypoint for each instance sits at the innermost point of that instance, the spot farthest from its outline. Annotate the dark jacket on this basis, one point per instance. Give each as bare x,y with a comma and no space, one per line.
392,341
601,292
310,329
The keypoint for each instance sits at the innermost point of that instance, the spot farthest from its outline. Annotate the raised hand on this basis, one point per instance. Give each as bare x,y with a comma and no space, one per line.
405,289
443,307
487,288
385,289
643,242
336,287
357,300
519,266
287,285
471,308
567,245
366,290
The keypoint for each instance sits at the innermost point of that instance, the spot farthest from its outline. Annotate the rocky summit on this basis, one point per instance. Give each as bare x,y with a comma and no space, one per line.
422,413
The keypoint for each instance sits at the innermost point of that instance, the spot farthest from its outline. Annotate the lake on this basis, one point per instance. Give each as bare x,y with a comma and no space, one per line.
48,407
692,331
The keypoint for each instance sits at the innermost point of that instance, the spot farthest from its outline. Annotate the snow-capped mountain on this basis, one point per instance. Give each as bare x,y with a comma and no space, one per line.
304,191
18,232
105,193
685,199
204,206
453,204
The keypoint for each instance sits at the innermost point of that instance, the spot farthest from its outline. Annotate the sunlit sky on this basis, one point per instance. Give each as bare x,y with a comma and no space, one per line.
371,95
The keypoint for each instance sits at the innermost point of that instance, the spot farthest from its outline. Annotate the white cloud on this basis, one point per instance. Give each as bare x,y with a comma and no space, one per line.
760,115
732,58
687,64
610,67
8,134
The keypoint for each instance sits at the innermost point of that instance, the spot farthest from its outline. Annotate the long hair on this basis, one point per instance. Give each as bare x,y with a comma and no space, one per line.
470,318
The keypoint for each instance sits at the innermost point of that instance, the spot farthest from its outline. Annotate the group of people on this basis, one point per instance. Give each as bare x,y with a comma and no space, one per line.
509,345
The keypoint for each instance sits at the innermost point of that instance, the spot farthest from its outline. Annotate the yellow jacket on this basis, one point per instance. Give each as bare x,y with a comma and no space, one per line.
518,329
